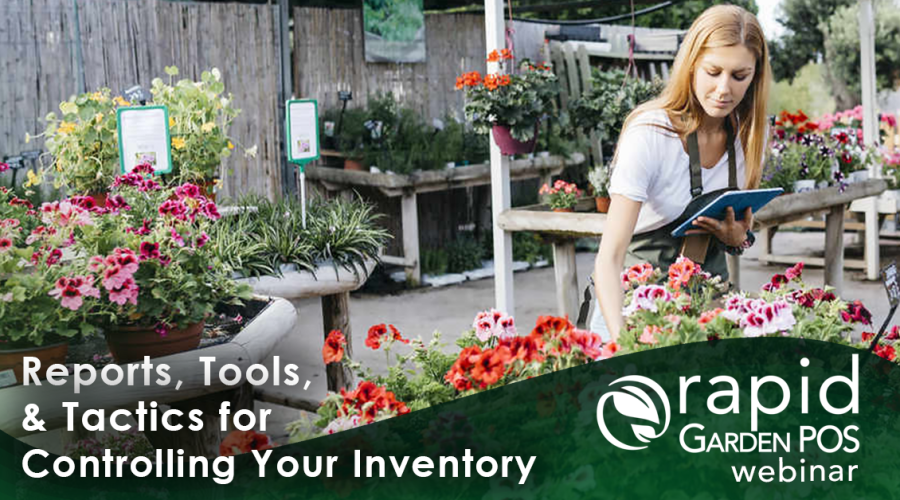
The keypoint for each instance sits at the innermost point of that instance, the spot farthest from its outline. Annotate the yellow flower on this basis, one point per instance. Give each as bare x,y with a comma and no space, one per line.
208,127
98,96
98,117
121,101
171,122
66,128
230,145
33,180
217,183
177,142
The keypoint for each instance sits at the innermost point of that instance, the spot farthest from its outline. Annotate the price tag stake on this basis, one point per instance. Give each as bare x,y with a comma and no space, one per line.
302,127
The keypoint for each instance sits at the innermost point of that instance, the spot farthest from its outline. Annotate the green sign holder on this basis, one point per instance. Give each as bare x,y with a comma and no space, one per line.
154,145
302,139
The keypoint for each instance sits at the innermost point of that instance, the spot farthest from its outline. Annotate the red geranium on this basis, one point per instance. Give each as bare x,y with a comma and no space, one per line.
244,442
333,350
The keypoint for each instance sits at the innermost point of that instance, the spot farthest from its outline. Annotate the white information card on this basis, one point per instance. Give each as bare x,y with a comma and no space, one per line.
144,138
302,130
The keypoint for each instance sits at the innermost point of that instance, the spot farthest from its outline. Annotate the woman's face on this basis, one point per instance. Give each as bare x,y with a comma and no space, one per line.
721,78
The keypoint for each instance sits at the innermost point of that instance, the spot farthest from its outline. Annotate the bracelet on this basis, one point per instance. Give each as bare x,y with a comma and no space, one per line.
739,250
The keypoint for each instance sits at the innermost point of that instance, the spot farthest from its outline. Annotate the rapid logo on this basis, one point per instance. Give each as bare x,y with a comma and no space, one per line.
635,403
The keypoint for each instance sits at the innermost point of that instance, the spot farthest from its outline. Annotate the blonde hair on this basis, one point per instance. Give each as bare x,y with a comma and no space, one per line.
719,26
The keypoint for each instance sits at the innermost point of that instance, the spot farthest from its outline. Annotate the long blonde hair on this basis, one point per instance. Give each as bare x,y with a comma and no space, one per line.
719,26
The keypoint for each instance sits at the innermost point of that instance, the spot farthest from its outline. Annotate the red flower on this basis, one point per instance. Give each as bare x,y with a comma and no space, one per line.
867,336
794,272
681,272
894,334
856,313
375,336
244,442
395,334
333,350
885,351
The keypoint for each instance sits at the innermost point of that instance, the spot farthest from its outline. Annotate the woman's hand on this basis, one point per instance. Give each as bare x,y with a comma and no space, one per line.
729,231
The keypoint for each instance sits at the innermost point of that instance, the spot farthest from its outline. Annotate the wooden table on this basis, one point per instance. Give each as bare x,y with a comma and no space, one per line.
407,187
253,344
564,228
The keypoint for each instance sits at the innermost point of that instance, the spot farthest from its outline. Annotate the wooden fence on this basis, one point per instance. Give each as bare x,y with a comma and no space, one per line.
124,43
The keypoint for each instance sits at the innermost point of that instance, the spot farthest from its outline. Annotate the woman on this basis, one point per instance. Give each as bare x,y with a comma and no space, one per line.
706,131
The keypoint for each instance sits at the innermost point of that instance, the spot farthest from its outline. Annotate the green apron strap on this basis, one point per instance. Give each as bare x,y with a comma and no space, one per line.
732,160
696,167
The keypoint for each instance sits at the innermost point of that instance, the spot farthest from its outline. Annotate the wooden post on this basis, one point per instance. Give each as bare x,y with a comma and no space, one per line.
410,224
734,270
765,237
834,248
566,278
872,248
494,31
336,316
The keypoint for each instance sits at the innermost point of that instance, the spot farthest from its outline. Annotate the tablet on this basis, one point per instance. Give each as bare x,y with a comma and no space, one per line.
738,200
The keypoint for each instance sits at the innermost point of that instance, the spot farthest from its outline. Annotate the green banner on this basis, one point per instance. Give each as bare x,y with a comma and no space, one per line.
746,418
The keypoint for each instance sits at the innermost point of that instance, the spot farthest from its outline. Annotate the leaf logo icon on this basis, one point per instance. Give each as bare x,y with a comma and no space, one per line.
634,402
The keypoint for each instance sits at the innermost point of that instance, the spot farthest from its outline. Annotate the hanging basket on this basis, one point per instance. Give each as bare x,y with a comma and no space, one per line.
510,146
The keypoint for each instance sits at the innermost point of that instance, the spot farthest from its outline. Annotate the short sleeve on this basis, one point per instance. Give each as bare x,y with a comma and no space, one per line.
636,166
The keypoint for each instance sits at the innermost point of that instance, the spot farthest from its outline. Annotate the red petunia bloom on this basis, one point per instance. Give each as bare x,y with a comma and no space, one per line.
333,350
244,442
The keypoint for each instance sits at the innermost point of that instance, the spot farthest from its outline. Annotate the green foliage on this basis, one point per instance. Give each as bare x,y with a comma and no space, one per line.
394,20
434,261
608,102
517,101
841,45
339,232
809,91
805,39
677,16
464,254
530,247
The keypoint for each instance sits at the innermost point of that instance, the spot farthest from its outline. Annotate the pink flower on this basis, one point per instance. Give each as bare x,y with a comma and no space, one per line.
201,240
116,203
173,208
149,250
143,169
3,167
5,244
211,211
127,292
176,237
649,335
54,257
187,190
645,297
70,291
794,272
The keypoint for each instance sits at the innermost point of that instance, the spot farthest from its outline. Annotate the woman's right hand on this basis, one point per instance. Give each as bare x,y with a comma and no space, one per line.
617,233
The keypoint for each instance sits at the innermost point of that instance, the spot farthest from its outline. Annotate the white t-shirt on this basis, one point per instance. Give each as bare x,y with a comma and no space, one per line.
653,168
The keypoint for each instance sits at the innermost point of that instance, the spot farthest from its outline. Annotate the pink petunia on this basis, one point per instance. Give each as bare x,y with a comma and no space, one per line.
127,293
5,244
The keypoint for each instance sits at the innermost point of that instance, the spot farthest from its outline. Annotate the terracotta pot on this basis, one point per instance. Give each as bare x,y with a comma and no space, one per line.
602,204
132,343
352,164
99,198
48,355
568,210
510,146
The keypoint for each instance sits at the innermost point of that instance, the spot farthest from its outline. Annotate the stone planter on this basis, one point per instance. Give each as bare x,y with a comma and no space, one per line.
805,185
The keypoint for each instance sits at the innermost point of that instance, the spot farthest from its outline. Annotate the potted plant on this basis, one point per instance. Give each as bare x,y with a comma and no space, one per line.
608,102
43,300
83,143
562,197
599,179
158,278
509,105
200,115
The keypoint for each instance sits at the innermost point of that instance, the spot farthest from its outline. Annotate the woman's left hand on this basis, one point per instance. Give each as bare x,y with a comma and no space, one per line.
729,231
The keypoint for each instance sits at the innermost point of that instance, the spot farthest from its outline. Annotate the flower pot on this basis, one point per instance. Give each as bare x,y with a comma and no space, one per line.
510,146
132,343
353,164
48,355
99,198
859,176
804,185
602,204
570,209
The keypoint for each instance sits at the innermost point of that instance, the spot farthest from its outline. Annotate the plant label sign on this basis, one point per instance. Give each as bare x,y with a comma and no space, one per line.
345,95
889,275
32,154
302,125
136,94
15,162
144,138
